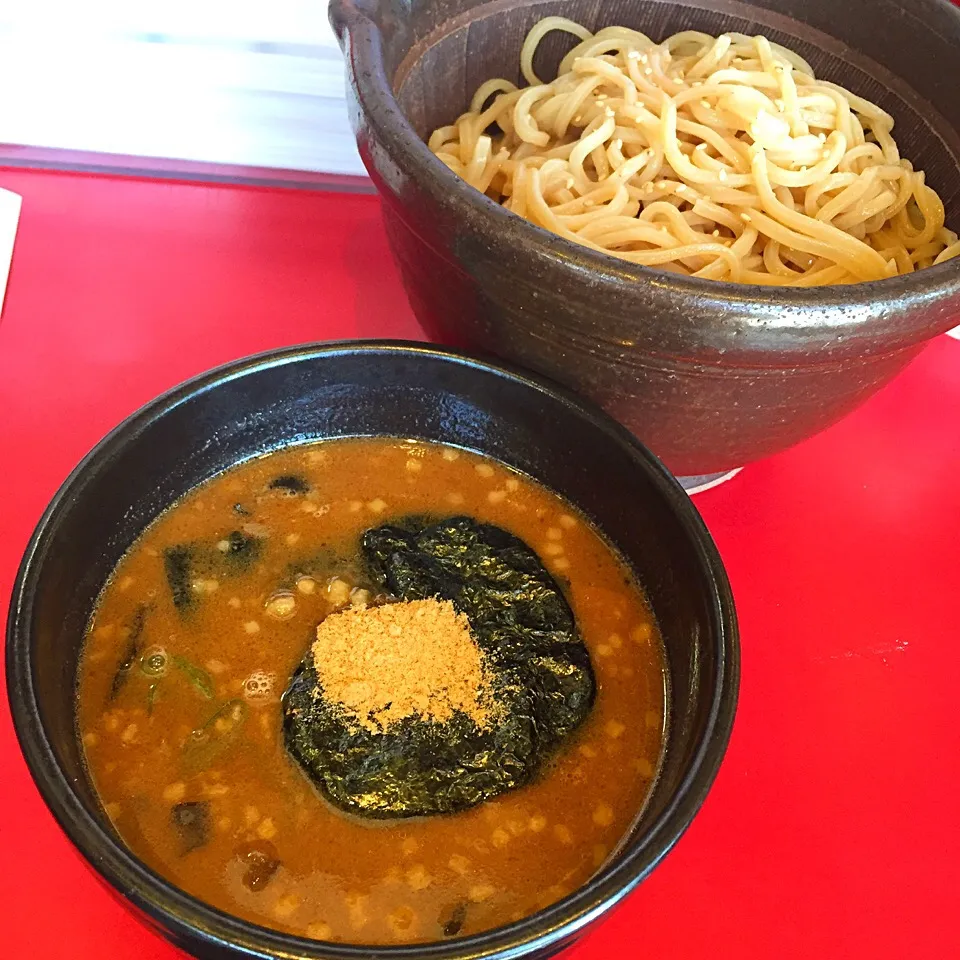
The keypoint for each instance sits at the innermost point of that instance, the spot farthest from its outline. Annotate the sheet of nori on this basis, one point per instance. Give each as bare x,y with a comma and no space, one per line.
542,679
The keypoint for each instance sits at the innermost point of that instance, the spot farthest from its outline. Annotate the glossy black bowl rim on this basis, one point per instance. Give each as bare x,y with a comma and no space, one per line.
910,294
188,919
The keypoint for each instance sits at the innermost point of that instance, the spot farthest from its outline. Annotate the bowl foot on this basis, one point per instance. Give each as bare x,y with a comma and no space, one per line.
707,481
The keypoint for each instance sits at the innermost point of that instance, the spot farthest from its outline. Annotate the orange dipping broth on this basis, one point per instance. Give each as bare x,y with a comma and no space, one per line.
275,852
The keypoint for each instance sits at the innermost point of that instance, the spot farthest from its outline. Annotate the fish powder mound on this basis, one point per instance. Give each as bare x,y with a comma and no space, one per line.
445,755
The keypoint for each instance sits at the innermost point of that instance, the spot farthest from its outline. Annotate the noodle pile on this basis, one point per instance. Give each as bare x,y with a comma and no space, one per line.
722,158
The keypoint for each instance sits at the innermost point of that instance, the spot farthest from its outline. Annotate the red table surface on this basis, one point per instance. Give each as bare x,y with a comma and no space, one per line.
831,830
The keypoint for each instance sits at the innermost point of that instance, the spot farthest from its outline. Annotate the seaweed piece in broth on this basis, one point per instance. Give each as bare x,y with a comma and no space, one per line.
191,820
290,483
132,652
453,919
176,564
242,549
182,563
542,679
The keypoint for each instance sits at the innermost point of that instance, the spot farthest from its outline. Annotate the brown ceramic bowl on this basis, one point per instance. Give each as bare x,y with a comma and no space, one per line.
710,375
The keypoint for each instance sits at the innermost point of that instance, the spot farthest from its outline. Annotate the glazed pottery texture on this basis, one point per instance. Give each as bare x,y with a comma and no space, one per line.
709,375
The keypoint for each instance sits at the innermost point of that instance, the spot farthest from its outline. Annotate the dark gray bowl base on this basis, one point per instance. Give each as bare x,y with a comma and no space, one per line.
706,481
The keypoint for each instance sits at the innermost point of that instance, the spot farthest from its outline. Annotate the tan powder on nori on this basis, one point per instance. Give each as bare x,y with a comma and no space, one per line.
416,658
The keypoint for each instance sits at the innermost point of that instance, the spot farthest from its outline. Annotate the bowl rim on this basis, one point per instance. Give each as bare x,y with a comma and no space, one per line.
186,919
357,25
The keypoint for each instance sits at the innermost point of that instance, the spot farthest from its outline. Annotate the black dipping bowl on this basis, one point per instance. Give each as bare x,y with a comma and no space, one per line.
343,390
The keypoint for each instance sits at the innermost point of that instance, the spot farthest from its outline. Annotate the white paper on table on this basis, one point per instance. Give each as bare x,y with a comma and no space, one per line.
955,332
9,218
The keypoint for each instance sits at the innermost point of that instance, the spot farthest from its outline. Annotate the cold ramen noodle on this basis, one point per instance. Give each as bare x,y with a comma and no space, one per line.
373,691
719,157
